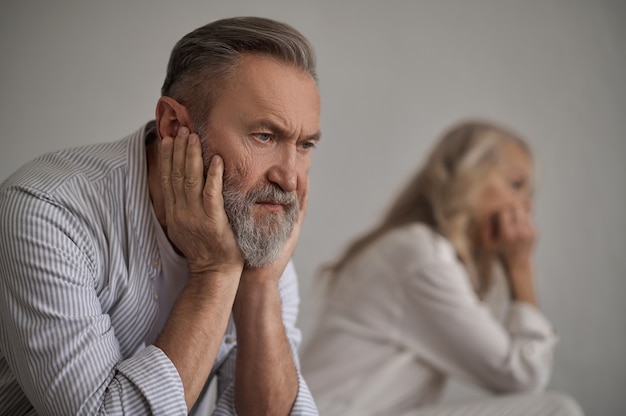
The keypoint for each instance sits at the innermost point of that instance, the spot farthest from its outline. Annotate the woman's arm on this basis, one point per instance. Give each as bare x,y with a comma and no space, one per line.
459,335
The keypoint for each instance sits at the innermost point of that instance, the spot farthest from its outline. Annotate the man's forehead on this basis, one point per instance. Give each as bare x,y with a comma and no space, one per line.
266,93
264,72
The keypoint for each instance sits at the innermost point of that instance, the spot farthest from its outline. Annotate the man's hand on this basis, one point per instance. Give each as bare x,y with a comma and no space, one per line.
198,227
266,375
197,224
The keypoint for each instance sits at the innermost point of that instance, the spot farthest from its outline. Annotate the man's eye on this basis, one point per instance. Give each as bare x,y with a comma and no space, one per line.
263,137
307,145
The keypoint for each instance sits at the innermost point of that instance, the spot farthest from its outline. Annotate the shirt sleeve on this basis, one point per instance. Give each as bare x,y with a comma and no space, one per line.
304,404
54,335
459,335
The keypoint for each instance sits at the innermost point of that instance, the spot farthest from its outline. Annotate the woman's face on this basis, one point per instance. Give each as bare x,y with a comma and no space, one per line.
509,185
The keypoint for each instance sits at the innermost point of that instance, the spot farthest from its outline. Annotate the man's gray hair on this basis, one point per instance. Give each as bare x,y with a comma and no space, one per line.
202,60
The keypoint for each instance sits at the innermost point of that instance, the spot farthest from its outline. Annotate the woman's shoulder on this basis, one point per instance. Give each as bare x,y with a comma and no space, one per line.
434,269
421,242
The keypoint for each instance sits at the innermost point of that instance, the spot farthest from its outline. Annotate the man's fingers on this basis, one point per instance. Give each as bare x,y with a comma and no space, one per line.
194,172
212,193
167,147
179,158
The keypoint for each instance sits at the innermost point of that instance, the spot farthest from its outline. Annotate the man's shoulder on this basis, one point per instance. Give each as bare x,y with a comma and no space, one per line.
98,185
87,165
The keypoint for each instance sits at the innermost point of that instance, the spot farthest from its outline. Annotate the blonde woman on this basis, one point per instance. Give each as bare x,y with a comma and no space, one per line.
406,303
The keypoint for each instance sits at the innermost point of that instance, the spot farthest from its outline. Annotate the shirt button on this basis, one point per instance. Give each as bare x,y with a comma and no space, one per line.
229,339
155,263
155,296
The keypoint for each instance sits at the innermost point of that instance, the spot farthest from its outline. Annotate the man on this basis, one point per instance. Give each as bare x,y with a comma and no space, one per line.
132,273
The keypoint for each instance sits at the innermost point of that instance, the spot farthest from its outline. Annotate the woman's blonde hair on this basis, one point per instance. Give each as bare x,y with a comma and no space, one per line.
442,194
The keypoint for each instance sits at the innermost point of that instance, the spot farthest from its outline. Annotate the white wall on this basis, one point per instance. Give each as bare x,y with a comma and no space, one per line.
393,75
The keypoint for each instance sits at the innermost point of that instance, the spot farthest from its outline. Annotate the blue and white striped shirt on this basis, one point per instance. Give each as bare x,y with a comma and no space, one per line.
78,255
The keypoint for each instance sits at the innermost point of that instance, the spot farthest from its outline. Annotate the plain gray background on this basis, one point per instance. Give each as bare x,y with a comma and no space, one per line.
393,75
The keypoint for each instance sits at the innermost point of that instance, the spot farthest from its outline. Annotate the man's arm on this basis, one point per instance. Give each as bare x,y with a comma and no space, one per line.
267,379
198,227
55,336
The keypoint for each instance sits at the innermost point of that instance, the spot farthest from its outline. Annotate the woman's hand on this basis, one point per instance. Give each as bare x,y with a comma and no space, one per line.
517,236
511,235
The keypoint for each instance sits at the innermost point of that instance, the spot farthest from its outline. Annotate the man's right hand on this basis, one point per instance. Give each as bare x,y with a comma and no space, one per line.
198,227
197,224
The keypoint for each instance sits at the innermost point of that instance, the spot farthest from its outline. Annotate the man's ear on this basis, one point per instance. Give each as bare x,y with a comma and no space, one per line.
170,116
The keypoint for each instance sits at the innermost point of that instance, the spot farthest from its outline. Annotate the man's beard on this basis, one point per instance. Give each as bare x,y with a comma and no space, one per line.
260,239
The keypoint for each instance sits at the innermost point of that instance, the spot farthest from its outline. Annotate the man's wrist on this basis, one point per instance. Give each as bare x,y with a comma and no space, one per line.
213,280
254,295
256,288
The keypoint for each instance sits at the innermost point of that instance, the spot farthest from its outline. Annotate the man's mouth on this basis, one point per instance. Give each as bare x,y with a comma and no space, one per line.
271,205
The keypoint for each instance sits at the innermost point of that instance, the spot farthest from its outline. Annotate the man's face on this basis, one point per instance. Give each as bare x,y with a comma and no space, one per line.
264,124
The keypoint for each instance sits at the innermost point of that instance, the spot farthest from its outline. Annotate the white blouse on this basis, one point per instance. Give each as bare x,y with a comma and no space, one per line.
403,317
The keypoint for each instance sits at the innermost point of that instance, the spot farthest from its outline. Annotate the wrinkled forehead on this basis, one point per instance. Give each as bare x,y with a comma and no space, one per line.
263,87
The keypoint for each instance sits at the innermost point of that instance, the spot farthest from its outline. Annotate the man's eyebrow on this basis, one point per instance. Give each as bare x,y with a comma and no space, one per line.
282,131
316,137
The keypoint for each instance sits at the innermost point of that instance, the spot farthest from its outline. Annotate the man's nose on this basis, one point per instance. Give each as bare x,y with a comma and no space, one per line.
283,171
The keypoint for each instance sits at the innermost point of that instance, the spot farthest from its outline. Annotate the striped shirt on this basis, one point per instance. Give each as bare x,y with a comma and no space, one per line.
78,259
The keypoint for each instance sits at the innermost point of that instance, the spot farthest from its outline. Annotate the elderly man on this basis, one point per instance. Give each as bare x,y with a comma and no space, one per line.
132,273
